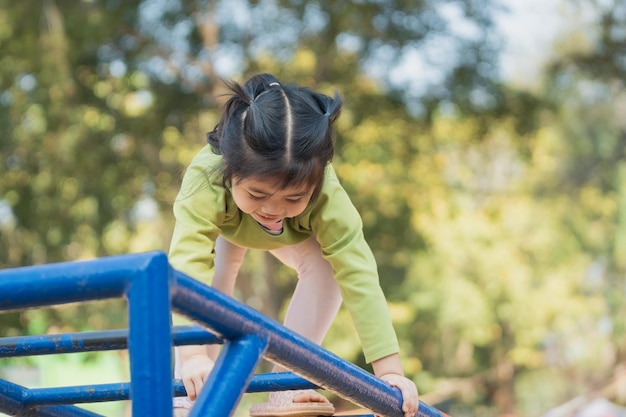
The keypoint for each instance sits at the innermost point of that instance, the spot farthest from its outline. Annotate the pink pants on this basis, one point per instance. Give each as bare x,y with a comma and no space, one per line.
315,301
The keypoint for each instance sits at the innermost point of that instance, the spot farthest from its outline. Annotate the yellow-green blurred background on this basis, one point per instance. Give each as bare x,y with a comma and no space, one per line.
488,163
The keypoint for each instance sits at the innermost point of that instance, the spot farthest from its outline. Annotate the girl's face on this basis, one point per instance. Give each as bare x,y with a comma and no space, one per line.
266,202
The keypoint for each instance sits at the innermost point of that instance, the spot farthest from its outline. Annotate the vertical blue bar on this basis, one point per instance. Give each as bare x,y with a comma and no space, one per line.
150,339
230,377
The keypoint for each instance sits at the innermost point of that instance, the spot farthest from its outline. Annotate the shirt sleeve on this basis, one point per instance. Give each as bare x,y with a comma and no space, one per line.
198,211
339,230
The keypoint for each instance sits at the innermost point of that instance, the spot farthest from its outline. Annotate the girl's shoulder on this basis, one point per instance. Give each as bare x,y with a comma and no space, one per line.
203,175
207,158
331,181
206,164
332,184
333,198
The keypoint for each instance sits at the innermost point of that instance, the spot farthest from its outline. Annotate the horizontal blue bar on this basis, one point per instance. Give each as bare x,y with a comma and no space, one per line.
79,394
59,411
121,391
67,282
278,381
357,415
13,402
94,341
22,398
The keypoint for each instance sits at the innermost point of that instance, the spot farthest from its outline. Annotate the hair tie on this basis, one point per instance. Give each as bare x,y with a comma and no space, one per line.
274,83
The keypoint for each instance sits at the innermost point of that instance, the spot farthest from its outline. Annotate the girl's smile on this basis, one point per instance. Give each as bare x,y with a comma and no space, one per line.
267,203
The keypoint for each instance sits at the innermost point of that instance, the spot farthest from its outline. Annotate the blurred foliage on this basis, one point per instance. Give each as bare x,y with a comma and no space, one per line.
497,213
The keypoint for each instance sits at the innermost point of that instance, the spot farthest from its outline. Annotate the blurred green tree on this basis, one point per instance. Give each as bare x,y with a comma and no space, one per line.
103,100
104,103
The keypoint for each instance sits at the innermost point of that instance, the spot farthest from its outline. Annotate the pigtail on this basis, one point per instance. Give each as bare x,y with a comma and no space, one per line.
333,107
264,123
312,141
213,139
237,102
254,90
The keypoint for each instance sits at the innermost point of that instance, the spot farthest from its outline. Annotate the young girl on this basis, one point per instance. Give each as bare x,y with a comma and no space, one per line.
265,182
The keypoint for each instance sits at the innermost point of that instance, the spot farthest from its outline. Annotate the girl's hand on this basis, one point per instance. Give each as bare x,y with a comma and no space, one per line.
389,370
410,397
194,371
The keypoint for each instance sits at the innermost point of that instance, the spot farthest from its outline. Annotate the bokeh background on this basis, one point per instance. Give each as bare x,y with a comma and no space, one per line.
483,141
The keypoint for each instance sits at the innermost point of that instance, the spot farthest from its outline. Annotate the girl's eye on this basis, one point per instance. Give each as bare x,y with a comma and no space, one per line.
256,197
294,200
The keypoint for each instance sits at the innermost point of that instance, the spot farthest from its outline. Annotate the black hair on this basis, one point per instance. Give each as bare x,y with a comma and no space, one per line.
276,131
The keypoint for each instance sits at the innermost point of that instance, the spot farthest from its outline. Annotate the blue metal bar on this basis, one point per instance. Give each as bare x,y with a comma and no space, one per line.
79,394
279,381
150,339
58,411
194,335
230,377
67,282
11,397
232,319
147,281
94,341
82,394
14,399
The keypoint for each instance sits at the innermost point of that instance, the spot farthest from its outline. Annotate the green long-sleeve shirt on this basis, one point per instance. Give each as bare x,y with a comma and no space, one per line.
204,209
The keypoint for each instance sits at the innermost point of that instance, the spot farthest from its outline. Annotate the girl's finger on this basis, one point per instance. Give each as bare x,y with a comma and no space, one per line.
191,390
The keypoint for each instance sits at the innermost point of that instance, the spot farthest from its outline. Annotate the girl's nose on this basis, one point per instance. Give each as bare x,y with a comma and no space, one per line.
272,209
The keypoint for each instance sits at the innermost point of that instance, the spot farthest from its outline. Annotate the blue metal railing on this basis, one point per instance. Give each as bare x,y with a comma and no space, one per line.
153,290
